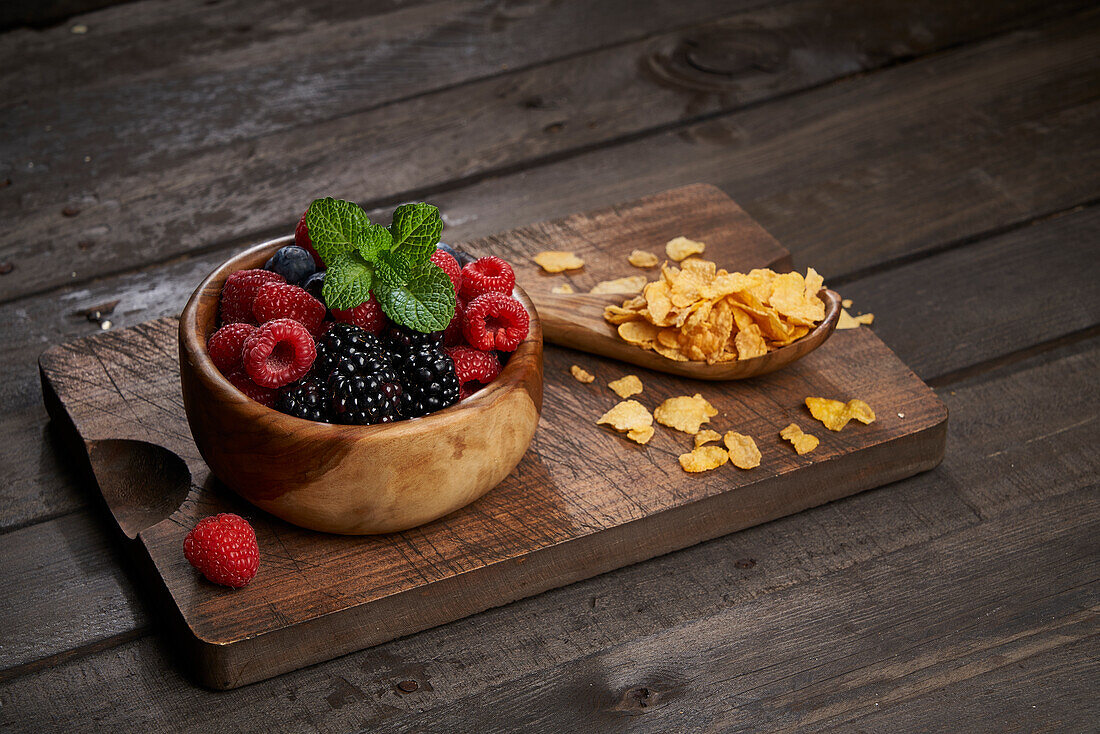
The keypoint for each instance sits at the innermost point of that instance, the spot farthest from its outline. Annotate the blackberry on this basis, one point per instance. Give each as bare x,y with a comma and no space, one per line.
429,381
305,399
405,341
365,399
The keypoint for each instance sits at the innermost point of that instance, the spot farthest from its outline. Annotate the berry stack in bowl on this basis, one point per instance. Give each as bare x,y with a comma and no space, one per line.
362,379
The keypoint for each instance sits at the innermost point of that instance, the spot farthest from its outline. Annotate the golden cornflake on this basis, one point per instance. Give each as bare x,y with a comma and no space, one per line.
704,458
581,375
834,414
846,303
846,321
706,436
632,418
861,411
803,443
642,259
563,289
705,314
681,247
685,413
629,284
742,450
553,261
626,386
866,319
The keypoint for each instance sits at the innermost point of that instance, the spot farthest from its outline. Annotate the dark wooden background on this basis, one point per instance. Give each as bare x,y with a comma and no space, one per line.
939,162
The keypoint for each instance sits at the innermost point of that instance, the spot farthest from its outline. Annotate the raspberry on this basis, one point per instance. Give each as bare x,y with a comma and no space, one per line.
301,238
262,395
450,267
367,316
495,321
285,301
473,366
239,294
487,275
223,547
452,335
280,352
225,346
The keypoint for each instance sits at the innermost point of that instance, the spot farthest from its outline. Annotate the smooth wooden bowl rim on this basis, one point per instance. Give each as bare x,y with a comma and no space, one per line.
193,347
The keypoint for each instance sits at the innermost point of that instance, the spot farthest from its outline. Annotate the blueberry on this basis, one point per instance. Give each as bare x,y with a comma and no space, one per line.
463,258
293,263
313,285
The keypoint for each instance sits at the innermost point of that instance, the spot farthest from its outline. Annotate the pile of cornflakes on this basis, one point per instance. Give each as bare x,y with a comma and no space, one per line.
699,312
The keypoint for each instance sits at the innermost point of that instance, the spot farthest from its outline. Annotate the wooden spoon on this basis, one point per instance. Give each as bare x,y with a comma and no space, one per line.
577,321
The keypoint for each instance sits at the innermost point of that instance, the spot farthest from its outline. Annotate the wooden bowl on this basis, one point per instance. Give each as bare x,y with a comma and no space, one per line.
354,479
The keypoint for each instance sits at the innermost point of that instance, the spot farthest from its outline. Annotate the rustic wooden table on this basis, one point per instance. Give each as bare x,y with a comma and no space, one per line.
939,162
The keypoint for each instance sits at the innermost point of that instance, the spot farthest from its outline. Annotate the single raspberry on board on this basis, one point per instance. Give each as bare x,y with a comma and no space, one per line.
223,547
452,335
487,275
280,352
495,321
262,395
225,346
285,301
301,238
367,316
450,267
239,294
473,368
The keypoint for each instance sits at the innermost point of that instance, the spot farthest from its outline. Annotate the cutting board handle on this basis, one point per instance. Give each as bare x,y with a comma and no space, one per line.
142,483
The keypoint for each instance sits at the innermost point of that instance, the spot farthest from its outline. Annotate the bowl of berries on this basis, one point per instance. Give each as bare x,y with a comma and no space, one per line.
361,379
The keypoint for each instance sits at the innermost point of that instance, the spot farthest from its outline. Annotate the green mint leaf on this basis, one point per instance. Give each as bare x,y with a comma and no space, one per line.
347,282
374,240
336,227
426,302
392,268
415,230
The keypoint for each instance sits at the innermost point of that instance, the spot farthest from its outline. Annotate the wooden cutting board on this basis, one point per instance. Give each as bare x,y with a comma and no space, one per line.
583,500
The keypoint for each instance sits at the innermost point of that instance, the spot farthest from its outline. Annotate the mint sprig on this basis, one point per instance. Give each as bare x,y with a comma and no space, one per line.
392,263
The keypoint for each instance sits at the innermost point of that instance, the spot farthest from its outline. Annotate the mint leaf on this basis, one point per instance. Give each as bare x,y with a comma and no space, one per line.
425,303
415,230
392,268
336,227
373,240
347,282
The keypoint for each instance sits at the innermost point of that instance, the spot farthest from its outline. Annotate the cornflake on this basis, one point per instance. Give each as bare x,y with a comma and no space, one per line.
642,259
553,261
706,436
626,386
581,375
632,418
685,413
629,284
834,414
681,247
803,443
742,450
563,289
704,458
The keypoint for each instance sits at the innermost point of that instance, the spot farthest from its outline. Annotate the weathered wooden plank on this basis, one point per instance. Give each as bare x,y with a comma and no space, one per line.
435,142
37,13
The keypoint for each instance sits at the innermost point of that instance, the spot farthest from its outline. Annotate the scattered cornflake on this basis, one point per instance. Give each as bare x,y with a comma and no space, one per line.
846,321
632,418
581,375
742,450
866,319
706,436
696,311
834,414
685,413
554,261
626,386
642,259
79,29
629,284
803,443
681,247
563,289
704,458
846,303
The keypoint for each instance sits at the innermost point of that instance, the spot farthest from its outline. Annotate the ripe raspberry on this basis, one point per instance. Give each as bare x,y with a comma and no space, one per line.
495,321
473,368
301,238
239,294
487,275
285,301
450,267
225,345
223,547
452,335
262,395
280,352
367,316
